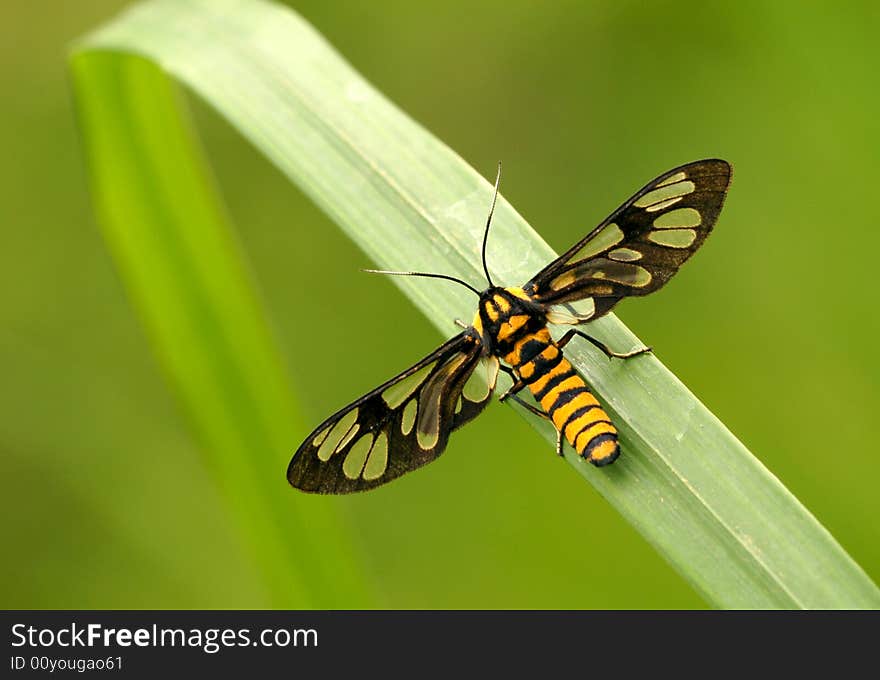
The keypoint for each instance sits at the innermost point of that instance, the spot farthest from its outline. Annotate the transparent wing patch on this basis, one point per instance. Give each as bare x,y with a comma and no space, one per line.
572,313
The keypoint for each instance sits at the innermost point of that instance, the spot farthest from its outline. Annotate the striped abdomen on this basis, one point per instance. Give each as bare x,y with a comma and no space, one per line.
564,396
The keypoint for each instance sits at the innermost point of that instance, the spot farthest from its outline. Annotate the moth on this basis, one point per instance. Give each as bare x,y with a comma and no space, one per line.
406,422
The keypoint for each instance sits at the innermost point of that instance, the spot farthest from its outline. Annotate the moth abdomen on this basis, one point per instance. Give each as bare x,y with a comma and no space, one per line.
565,397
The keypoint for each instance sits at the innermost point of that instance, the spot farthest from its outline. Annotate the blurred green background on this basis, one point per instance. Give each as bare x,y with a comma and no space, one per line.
106,498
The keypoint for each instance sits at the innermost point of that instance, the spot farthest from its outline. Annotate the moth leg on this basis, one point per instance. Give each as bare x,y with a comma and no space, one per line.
601,345
460,323
538,412
518,384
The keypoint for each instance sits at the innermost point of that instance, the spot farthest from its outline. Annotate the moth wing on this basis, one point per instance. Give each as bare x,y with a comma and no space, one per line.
401,425
637,248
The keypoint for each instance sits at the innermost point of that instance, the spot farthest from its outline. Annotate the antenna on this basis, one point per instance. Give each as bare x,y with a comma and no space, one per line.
426,275
452,278
488,224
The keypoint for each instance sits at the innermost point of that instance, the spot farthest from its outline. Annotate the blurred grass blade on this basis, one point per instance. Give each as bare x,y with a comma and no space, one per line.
175,250
685,482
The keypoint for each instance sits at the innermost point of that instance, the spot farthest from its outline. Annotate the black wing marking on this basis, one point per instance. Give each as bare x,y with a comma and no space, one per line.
638,248
401,425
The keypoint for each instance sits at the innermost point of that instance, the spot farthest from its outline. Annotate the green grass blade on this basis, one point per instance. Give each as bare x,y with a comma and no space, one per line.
685,482
175,250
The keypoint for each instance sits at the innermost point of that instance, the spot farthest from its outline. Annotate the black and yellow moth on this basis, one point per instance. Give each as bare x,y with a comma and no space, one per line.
406,422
